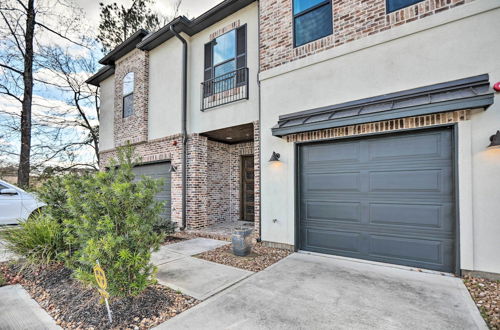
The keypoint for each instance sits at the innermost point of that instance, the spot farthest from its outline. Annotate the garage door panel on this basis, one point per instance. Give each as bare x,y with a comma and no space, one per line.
333,182
430,180
406,248
158,171
331,210
394,203
341,153
425,147
412,215
337,241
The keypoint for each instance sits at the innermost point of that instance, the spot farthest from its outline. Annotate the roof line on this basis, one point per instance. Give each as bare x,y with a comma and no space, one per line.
105,72
124,47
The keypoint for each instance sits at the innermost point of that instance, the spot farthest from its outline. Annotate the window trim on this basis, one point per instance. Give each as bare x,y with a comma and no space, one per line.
128,94
307,11
387,11
235,58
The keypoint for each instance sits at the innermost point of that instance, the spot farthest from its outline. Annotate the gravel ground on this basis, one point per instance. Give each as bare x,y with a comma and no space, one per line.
75,306
486,294
260,258
185,235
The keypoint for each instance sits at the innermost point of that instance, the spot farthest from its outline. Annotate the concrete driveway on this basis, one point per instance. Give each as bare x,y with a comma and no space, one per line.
318,292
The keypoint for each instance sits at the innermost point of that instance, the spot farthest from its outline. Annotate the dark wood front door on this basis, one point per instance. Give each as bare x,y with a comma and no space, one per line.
247,189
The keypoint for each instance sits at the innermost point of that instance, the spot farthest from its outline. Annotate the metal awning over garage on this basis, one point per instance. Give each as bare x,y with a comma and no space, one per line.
468,93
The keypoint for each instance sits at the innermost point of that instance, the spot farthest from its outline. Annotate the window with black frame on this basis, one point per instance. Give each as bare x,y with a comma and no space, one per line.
128,95
312,20
393,5
225,62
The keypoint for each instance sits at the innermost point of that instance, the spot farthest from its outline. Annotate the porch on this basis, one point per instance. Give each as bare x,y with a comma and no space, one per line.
228,170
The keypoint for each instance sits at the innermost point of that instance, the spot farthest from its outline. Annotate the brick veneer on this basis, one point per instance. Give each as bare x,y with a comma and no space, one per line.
235,153
134,128
352,20
164,149
382,126
213,187
256,165
224,179
219,181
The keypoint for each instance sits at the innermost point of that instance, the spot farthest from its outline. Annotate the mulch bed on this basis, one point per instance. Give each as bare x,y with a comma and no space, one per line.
260,258
486,294
75,306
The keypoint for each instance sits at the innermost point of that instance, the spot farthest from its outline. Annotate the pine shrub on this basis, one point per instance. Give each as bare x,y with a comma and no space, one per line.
113,219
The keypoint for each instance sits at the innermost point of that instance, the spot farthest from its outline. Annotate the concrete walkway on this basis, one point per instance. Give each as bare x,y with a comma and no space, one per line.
5,254
306,291
19,311
195,277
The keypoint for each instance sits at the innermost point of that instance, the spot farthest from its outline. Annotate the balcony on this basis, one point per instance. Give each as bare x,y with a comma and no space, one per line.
227,88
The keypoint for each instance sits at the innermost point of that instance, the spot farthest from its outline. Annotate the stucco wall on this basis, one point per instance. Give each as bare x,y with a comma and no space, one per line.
107,114
455,44
165,76
232,114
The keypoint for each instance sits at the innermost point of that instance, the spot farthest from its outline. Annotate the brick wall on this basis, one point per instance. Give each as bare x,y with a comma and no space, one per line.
168,149
197,185
224,180
135,127
382,126
236,151
256,157
352,20
219,181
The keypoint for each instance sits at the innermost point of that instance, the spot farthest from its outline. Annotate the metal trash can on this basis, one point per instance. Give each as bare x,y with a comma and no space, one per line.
242,241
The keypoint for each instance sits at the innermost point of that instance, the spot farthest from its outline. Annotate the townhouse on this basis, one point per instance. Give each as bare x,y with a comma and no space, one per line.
362,129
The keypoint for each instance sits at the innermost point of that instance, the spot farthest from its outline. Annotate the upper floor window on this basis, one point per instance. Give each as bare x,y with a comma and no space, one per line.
393,5
225,57
128,94
312,20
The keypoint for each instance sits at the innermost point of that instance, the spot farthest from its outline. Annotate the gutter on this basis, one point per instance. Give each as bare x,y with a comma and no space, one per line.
184,121
259,239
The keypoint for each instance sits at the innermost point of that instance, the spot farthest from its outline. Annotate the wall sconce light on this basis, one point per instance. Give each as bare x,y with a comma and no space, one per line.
275,157
173,169
495,140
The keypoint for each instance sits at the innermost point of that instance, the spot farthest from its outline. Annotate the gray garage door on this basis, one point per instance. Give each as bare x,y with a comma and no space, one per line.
157,171
388,199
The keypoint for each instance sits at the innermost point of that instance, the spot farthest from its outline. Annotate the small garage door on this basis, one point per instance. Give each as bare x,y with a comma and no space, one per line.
158,171
387,198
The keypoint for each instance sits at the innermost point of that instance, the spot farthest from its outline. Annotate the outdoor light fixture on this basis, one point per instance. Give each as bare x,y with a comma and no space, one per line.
275,157
173,169
495,140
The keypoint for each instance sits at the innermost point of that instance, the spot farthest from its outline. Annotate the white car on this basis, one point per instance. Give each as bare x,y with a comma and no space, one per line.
16,204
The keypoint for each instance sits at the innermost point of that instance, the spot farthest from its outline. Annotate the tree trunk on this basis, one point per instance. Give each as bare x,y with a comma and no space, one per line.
23,176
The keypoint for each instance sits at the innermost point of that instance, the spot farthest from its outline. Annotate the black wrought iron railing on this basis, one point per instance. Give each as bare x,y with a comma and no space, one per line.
226,88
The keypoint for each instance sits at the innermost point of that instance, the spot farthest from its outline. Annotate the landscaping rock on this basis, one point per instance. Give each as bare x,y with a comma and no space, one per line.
260,258
486,294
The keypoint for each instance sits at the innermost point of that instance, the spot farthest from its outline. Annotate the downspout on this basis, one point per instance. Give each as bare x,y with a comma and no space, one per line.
184,120
259,239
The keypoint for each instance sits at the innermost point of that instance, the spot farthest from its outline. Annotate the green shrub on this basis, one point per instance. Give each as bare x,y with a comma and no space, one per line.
40,239
112,221
53,192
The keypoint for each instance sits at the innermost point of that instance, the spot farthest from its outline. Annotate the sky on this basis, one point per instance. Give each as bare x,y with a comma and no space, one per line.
191,8
50,102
